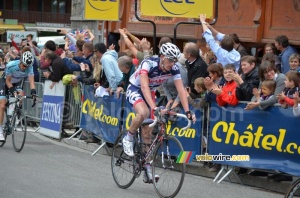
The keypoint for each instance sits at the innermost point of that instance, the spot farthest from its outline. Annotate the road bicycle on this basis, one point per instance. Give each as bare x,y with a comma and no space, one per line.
16,124
162,155
294,190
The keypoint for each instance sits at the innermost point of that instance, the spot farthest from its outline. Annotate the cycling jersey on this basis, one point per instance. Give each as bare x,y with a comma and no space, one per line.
13,70
155,73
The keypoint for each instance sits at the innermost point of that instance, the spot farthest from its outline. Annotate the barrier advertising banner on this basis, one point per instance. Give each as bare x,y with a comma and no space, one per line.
175,8
189,138
269,137
101,115
102,10
52,109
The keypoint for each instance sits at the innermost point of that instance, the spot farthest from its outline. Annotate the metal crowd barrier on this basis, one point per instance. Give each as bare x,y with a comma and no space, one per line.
72,108
33,113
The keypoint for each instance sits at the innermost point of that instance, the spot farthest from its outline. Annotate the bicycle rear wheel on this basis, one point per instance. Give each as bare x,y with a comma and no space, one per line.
294,190
171,175
19,129
122,166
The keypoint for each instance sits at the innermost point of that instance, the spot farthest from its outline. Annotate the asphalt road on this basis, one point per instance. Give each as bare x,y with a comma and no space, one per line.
46,168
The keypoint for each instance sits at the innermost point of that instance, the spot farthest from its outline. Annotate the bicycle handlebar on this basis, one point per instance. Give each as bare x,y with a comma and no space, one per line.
176,114
19,98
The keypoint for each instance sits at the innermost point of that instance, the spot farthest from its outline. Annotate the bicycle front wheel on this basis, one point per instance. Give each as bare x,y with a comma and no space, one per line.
122,166
294,190
19,129
171,175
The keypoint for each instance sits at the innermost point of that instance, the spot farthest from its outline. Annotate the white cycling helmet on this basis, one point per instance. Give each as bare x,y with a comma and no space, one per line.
27,59
170,50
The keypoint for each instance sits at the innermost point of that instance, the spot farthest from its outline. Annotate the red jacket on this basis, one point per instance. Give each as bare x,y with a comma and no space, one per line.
287,100
228,95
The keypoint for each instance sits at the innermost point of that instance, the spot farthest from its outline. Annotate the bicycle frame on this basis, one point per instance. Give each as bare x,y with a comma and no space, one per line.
161,120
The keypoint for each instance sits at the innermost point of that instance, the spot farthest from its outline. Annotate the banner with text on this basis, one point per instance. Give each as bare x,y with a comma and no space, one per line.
175,8
269,137
101,116
52,109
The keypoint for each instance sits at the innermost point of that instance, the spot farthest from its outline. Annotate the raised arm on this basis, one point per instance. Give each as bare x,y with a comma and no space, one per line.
128,43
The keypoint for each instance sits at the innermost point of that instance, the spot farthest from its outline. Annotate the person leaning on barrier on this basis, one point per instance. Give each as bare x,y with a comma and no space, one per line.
127,68
57,70
15,72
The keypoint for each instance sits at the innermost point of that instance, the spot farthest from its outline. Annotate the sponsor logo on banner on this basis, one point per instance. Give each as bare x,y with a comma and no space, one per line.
102,10
168,6
100,5
177,8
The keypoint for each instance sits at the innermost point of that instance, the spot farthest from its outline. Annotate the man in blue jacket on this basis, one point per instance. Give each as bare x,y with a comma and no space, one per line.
108,59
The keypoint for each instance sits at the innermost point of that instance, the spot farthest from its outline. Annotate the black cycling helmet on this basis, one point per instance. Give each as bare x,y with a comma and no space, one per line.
27,59
170,50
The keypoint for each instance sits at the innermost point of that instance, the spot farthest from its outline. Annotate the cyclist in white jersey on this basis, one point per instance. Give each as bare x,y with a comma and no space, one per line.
150,74
14,73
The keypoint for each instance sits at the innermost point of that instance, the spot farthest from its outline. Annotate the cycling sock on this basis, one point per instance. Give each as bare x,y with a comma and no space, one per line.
129,136
1,129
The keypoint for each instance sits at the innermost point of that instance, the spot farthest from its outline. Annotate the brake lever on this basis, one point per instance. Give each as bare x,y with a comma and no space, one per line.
34,101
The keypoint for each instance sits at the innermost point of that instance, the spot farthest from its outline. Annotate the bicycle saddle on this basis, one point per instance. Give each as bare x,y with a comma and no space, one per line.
147,121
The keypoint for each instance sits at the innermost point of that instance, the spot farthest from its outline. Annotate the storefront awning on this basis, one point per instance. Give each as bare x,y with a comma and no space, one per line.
11,27
46,29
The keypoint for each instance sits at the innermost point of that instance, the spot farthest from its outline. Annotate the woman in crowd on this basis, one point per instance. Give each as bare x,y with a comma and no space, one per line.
271,49
268,71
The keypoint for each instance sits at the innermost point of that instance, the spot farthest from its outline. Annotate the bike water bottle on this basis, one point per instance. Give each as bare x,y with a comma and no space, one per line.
11,106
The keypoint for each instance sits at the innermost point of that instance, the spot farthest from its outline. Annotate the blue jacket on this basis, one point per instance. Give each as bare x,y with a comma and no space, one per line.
111,69
76,67
284,58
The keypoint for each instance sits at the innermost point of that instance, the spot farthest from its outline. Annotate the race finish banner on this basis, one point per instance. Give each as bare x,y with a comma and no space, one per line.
177,8
104,10
189,138
101,115
52,109
269,137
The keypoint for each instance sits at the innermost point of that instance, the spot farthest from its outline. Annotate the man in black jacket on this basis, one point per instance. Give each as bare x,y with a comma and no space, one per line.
195,65
248,80
57,69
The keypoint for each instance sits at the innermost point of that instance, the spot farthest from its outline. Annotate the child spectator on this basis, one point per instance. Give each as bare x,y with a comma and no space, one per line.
201,89
294,62
291,82
226,94
215,71
266,91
